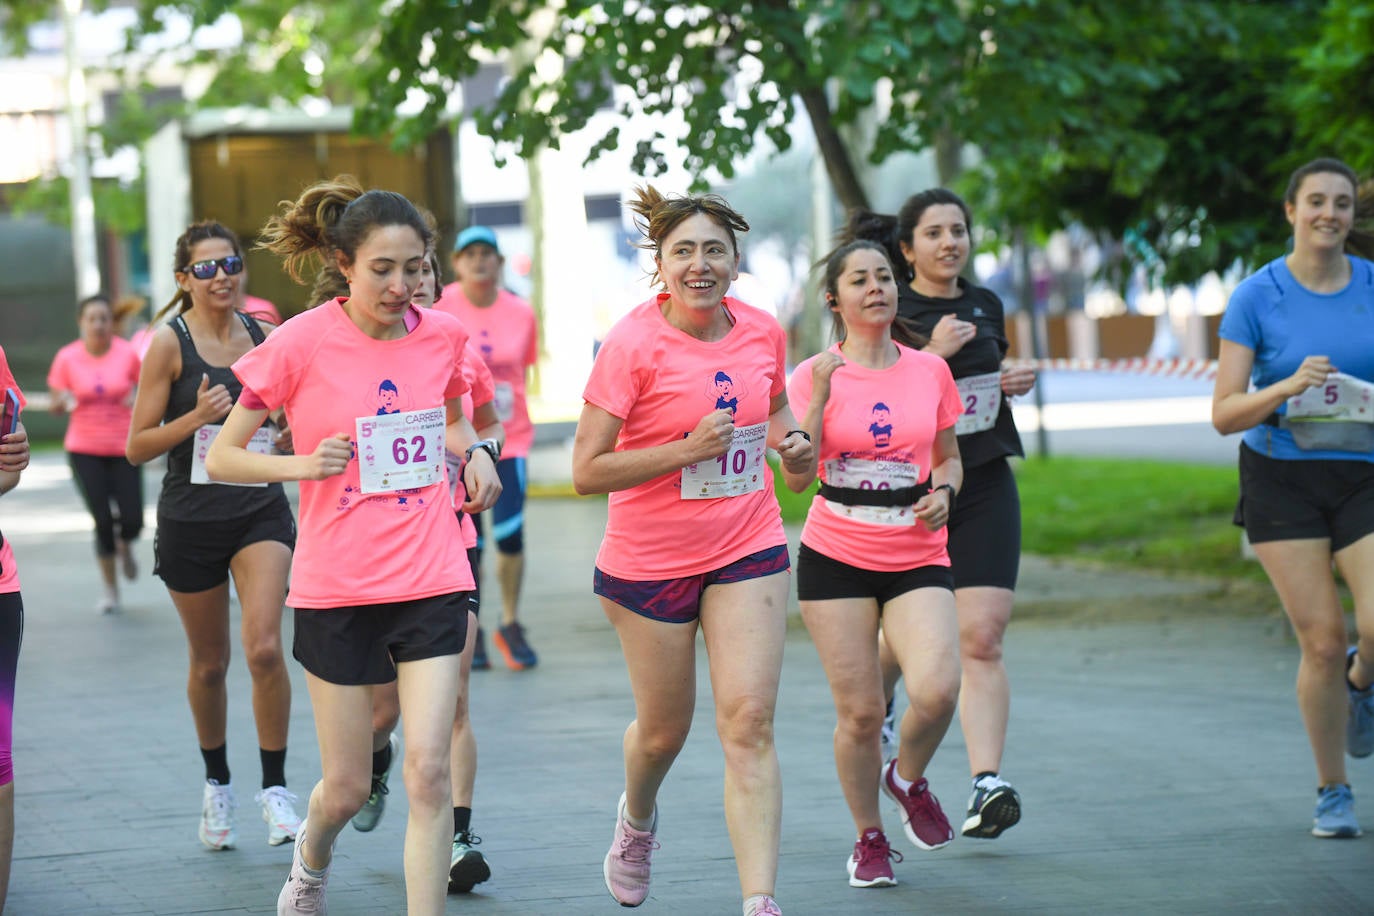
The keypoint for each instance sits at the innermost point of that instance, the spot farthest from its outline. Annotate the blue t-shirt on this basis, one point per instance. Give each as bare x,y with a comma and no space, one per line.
1283,322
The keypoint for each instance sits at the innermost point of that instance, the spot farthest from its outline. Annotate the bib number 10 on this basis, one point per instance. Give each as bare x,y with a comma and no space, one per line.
733,462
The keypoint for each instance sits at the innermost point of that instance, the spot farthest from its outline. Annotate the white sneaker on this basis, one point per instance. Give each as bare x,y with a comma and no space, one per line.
279,811
303,893
217,816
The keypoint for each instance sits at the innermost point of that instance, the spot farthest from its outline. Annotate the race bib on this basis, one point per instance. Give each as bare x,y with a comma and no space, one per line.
503,399
400,451
865,474
260,443
738,471
982,398
1342,397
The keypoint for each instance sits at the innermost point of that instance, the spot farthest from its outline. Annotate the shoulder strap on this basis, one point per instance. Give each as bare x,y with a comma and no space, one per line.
254,329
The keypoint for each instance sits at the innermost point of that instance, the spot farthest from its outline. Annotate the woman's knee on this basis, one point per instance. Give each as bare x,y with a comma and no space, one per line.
264,656
935,695
344,796
746,724
426,774
209,671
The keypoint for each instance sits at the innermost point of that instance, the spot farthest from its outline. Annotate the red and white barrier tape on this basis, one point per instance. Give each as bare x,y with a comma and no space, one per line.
1202,369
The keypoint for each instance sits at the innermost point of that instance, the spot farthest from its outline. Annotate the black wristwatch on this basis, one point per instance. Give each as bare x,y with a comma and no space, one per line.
490,446
952,494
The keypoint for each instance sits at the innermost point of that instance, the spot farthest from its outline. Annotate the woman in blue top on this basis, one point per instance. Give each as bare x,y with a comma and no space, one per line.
1304,501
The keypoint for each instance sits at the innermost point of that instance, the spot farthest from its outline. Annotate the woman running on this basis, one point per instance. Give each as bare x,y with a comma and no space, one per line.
94,379
694,537
872,554
1297,354
14,457
372,387
207,531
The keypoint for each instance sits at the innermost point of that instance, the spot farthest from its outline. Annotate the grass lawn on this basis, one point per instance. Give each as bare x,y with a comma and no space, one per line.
1148,514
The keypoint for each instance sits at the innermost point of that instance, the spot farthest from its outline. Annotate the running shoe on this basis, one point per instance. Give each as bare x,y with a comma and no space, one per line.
627,864
372,810
303,893
1335,814
993,807
888,736
922,818
480,662
871,863
127,563
510,641
764,906
466,866
1359,726
279,811
108,605
217,816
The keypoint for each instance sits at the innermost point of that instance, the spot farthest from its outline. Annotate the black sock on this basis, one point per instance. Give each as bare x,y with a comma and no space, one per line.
273,767
216,763
984,773
462,819
381,760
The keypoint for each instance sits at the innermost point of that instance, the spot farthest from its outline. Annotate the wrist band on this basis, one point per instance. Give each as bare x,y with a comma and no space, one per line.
799,432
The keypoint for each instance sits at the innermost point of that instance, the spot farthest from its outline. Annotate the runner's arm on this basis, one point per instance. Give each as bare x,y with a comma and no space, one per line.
1235,408
599,468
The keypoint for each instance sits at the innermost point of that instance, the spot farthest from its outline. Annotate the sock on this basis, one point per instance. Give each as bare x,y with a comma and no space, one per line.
273,767
903,784
381,760
1349,667
641,824
462,819
992,773
216,764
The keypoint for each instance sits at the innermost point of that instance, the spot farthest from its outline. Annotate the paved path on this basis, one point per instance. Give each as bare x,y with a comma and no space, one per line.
1162,763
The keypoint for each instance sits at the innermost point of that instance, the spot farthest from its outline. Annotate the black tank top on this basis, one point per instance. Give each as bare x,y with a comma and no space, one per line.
182,500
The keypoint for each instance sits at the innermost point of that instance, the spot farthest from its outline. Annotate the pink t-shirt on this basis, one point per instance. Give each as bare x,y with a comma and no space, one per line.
9,572
102,386
480,388
889,417
356,548
661,381
262,309
506,334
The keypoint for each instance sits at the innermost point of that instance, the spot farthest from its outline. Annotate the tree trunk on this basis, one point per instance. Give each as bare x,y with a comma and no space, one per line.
838,163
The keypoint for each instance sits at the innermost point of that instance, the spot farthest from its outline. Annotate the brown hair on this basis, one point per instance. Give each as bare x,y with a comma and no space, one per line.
656,216
891,231
1360,241
834,265
92,300
335,215
193,236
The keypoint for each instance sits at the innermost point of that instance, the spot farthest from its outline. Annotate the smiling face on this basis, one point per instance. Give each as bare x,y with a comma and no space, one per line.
381,279
220,291
697,262
1322,212
865,292
939,246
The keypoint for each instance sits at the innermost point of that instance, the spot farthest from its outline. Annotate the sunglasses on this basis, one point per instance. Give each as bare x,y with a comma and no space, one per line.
206,270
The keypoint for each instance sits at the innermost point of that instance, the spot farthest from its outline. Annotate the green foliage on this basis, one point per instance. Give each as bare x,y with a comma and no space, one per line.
1332,97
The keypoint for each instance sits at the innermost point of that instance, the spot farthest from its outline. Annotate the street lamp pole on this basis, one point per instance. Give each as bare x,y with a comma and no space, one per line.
84,254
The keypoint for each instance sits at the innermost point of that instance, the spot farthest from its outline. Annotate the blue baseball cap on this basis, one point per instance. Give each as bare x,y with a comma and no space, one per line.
474,235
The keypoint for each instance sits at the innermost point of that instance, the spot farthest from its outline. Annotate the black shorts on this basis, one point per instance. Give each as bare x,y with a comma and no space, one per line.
985,529
1299,500
822,578
194,556
475,596
363,644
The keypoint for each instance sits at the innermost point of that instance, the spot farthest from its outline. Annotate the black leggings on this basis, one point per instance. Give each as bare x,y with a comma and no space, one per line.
112,489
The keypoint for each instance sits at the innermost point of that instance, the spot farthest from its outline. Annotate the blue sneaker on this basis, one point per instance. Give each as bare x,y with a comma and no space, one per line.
1335,814
1359,727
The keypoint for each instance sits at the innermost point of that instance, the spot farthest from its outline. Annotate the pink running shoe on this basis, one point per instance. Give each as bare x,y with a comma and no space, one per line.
765,906
871,864
627,864
922,819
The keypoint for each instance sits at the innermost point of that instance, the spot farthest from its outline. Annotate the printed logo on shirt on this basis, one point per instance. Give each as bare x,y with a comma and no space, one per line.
881,427
485,348
978,312
388,398
725,391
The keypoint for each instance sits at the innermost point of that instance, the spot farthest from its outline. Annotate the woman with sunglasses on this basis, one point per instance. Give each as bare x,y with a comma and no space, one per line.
208,531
